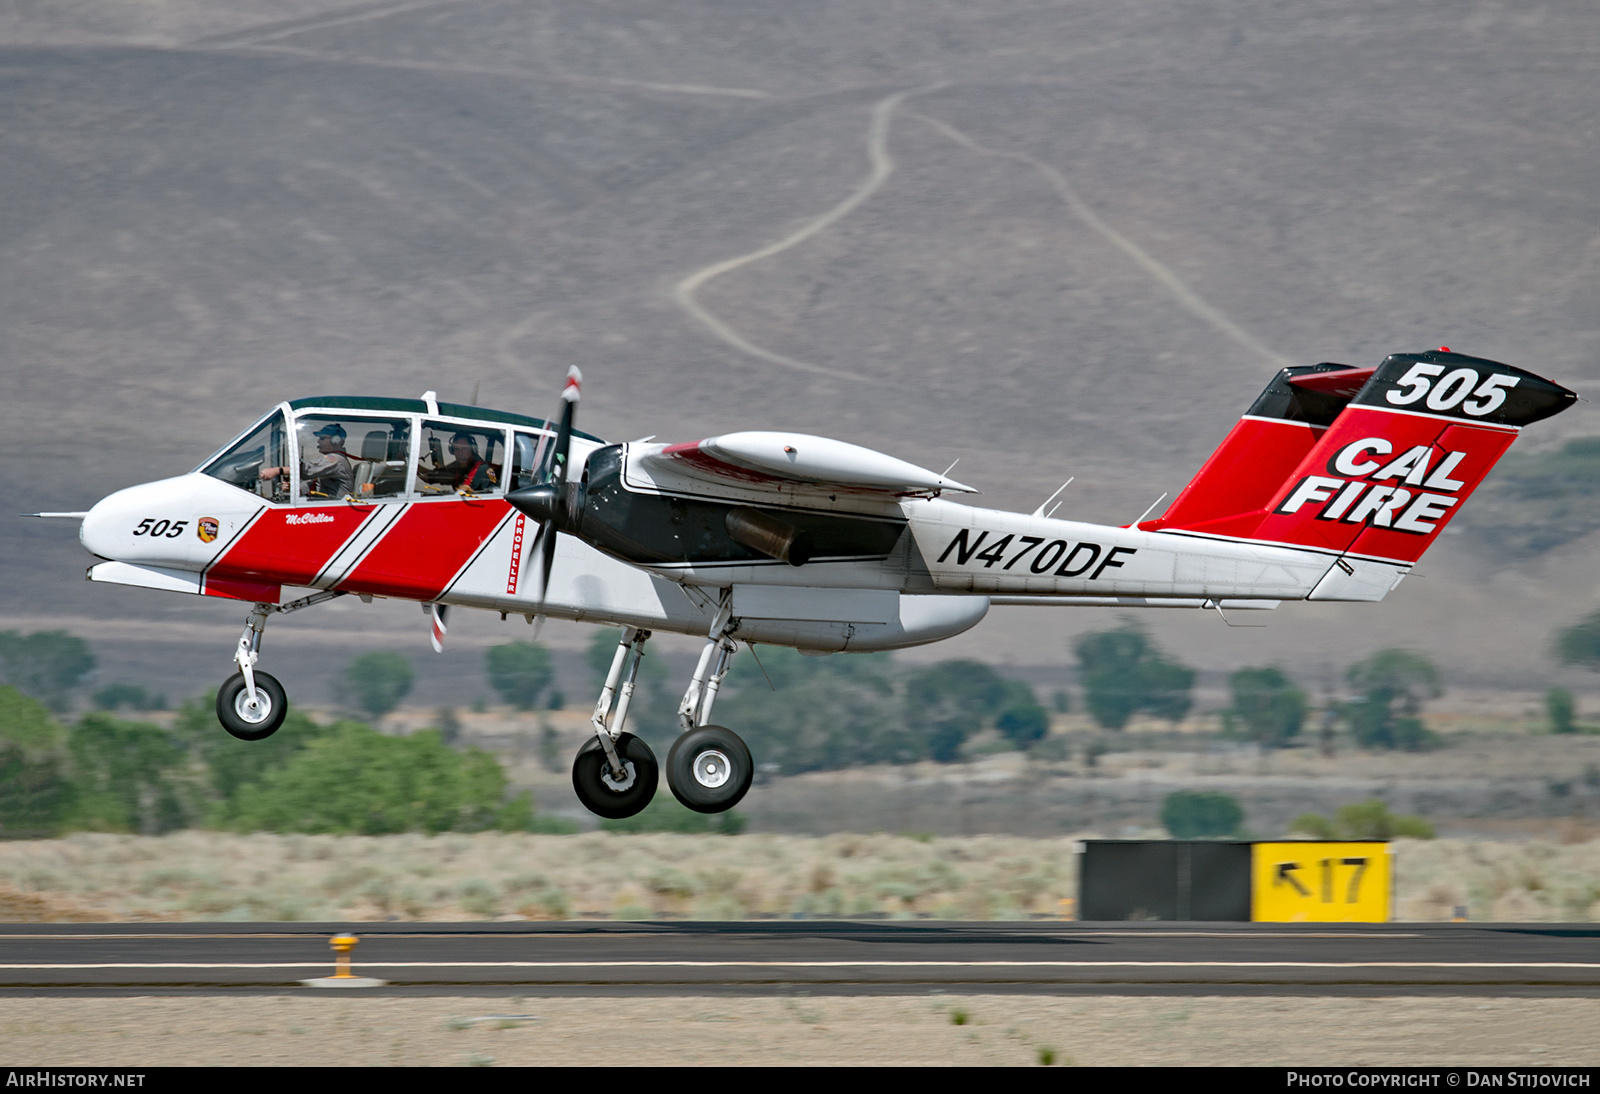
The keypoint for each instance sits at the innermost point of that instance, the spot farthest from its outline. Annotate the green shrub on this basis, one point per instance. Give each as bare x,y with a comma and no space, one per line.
354,781
947,702
1315,825
1538,500
666,814
544,824
378,681
128,697
231,764
45,664
133,777
1370,819
818,713
1023,723
1579,644
1393,685
1123,673
1198,814
1267,707
34,791
520,672
1561,707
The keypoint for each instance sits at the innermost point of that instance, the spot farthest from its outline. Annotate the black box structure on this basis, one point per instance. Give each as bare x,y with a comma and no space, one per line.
1164,879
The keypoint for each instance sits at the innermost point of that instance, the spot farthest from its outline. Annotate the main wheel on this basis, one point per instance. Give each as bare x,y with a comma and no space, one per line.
709,769
251,721
605,796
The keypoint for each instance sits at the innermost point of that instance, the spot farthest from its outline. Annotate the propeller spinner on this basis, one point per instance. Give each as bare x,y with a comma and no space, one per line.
546,502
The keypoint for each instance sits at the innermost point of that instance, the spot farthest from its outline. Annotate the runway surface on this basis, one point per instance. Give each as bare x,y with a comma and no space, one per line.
830,955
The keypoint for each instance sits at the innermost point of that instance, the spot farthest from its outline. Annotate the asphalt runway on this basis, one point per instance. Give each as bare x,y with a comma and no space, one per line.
877,957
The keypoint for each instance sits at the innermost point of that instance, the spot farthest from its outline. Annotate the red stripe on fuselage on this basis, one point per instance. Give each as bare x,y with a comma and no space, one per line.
426,548
290,546
254,591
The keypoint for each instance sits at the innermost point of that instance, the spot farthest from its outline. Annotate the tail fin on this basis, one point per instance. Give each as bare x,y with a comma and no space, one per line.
1368,463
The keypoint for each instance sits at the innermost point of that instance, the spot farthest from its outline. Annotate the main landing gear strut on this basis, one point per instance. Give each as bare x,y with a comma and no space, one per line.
251,705
708,768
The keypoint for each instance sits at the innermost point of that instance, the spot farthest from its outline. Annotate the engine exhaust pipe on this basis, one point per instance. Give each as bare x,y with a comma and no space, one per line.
770,536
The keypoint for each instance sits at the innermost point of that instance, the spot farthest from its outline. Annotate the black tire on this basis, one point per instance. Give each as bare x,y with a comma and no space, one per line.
591,777
709,769
236,717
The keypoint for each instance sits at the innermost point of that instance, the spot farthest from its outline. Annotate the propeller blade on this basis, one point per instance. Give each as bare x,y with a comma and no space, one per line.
547,560
545,544
569,399
441,612
547,502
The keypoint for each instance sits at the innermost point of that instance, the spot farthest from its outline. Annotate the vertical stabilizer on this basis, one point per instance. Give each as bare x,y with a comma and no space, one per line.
1372,473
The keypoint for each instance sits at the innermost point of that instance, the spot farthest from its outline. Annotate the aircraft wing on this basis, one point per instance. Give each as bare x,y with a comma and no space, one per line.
786,462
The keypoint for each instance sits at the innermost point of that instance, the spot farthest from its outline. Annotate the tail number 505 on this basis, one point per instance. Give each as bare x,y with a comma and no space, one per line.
1451,389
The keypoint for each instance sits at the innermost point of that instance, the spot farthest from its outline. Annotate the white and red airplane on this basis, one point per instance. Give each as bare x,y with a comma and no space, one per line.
1329,488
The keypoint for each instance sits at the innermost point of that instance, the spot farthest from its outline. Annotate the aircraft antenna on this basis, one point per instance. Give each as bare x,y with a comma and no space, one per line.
759,665
1217,605
1039,512
1152,509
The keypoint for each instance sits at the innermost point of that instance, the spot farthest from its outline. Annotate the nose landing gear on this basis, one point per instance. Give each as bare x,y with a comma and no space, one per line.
251,718
251,705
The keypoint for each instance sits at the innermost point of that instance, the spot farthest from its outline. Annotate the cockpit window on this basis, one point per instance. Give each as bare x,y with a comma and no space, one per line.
263,448
530,450
348,456
467,459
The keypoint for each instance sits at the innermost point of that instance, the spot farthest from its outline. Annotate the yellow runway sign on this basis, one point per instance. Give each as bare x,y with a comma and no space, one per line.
1303,881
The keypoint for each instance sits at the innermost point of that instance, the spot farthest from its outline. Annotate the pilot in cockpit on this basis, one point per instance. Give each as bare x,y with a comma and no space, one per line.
466,470
330,474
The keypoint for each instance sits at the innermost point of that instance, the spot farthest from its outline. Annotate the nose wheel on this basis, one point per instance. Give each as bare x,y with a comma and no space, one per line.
601,792
251,705
709,769
247,720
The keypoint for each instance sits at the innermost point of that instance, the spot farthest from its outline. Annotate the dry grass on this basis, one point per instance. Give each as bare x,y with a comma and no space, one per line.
204,875
1532,882
213,876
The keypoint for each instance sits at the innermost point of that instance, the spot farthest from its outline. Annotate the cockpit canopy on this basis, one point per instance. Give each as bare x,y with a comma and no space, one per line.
313,451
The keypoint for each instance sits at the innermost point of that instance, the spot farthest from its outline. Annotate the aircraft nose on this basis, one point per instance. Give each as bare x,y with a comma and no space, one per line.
109,528
95,533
